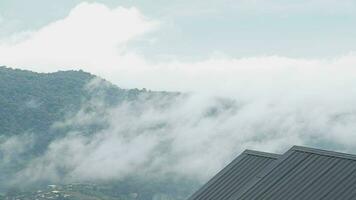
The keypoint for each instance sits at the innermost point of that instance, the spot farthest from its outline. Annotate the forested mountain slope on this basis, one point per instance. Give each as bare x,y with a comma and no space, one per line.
32,102
30,106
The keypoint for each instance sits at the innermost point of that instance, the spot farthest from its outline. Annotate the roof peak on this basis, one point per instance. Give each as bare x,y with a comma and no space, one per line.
261,153
324,152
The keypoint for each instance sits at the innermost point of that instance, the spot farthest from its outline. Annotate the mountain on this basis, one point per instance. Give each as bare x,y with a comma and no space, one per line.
32,103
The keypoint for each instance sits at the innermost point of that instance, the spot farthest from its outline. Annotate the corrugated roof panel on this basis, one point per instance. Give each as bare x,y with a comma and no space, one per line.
305,173
234,176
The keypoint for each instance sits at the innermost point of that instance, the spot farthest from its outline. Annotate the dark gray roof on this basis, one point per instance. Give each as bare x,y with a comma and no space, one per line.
305,174
234,176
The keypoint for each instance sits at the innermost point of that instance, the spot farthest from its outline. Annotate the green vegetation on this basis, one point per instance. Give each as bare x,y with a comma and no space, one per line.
32,102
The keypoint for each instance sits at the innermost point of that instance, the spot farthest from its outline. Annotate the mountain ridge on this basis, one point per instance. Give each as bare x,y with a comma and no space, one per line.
32,102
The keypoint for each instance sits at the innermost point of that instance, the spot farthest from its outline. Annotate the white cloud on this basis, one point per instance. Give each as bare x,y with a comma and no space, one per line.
181,138
92,36
11,148
97,39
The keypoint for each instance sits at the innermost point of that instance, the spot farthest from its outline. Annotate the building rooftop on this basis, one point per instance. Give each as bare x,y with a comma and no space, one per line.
300,173
234,176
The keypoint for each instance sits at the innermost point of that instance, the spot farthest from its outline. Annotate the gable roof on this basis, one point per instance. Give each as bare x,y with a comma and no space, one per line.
234,176
305,173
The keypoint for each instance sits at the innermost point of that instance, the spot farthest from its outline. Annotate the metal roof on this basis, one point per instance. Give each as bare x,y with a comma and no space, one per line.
234,176
305,174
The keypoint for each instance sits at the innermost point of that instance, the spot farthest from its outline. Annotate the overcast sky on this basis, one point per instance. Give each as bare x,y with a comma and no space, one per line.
195,28
158,44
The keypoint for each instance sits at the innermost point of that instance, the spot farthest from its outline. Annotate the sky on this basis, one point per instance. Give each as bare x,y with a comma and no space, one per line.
196,29
178,45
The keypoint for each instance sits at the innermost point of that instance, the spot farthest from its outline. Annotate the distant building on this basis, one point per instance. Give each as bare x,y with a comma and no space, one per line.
300,174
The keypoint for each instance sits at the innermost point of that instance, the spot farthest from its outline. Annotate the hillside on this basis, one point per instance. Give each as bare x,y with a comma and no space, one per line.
31,103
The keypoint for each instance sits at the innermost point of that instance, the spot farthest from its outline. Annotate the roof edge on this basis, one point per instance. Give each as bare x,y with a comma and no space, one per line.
262,174
241,156
284,156
217,176
324,152
261,153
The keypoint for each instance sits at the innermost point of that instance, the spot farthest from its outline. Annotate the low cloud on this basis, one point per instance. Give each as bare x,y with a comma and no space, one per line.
178,136
13,148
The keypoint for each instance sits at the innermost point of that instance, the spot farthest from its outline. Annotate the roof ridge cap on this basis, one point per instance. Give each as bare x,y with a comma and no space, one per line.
261,153
324,152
